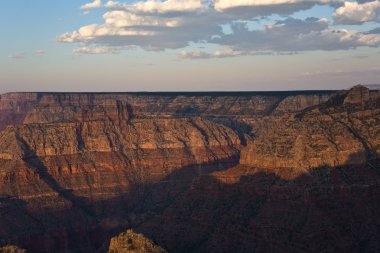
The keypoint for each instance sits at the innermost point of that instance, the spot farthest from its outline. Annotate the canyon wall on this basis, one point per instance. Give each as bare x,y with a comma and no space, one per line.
19,108
343,131
88,176
195,172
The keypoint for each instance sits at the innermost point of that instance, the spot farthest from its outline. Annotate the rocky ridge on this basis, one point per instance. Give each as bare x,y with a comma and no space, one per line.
19,108
343,131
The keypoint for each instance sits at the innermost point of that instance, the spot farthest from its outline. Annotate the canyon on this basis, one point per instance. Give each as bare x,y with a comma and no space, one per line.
193,172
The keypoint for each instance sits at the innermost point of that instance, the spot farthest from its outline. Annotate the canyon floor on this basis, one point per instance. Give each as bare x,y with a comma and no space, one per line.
191,172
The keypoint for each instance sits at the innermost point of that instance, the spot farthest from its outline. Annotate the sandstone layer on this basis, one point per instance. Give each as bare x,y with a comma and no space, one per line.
87,177
343,131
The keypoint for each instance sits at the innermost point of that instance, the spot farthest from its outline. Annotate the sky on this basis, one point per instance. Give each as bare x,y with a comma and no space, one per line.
188,45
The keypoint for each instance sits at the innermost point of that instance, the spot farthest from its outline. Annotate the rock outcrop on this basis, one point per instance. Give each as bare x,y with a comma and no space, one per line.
358,95
11,249
343,131
131,242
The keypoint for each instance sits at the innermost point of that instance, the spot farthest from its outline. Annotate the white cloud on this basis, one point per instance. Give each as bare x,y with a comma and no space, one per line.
225,53
92,5
152,6
156,6
353,13
206,55
91,32
112,4
122,19
17,56
97,50
174,24
222,5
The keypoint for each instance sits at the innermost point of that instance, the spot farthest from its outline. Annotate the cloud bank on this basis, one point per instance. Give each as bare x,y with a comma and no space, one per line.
156,25
354,13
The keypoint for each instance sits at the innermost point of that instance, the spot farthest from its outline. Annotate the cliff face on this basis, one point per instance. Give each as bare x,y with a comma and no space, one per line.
103,160
307,182
244,209
17,108
87,176
193,172
344,131
60,139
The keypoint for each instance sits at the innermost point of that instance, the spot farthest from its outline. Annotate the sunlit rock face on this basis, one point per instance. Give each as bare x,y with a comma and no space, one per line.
132,242
358,95
11,249
88,174
198,172
344,131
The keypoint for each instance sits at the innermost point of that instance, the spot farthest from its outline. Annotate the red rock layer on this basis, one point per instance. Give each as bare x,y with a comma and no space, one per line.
76,169
345,130
17,108
309,183
83,179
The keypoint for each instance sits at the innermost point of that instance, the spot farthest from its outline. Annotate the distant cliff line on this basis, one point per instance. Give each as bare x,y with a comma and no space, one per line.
186,93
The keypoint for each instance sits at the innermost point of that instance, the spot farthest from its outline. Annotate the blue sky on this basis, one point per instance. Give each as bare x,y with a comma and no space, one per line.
78,45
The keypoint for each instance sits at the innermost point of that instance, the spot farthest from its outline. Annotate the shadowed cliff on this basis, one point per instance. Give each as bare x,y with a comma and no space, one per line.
248,210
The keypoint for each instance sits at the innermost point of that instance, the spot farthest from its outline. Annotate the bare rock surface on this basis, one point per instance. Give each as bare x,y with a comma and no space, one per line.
131,242
331,134
194,172
11,249
19,108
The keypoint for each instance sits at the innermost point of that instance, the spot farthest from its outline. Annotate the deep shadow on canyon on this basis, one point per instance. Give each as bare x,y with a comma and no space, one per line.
257,212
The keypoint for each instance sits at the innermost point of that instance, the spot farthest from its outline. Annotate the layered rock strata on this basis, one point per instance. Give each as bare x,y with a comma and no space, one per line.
343,131
277,172
308,183
18,108
90,174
